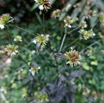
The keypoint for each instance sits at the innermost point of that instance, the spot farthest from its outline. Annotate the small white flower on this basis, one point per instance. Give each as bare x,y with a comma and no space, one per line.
34,70
41,7
1,26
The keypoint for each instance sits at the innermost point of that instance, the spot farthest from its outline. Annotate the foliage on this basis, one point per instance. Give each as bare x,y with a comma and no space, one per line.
58,57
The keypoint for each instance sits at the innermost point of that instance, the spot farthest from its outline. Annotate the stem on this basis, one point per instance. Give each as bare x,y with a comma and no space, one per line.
24,30
89,46
43,24
62,43
74,29
71,43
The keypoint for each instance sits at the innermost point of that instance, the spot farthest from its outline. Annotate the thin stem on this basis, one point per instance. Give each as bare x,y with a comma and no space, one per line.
71,43
24,30
89,46
74,29
62,43
43,24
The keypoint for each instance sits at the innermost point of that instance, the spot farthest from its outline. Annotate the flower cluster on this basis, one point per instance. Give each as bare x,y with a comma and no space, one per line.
72,57
11,49
44,4
87,34
68,21
5,18
34,70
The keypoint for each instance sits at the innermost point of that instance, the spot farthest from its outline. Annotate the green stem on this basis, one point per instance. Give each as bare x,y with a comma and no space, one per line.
24,30
89,46
72,43
63,40
62,43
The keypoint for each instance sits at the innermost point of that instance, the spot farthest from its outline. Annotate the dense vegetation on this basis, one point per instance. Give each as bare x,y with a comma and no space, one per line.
51,51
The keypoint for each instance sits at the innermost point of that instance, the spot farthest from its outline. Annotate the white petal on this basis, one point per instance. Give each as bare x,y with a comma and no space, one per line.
36,0
93,34
1,26
34,41
41,7
69,26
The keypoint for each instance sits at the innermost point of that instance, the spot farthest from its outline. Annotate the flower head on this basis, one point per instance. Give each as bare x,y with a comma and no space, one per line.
44,4
5,18
41,39
83,24
11,49
68,21
91,13
18,39
34,70
72,57
56,13
86,91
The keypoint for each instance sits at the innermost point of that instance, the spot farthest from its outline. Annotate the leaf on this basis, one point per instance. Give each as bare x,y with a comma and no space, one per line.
60,93
76,74
56,92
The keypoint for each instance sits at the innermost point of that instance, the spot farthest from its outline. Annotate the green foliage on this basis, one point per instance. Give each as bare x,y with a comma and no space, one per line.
35,49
